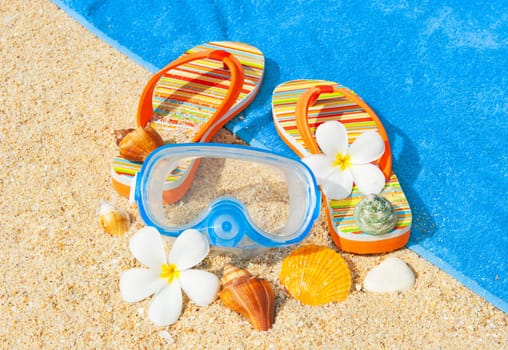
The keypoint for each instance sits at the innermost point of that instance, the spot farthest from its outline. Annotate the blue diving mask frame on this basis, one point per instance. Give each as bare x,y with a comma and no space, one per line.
227,218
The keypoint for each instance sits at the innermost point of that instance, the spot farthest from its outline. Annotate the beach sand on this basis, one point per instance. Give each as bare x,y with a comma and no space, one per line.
63,92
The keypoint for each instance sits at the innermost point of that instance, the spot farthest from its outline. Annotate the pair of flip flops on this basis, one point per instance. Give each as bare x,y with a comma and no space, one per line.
194,96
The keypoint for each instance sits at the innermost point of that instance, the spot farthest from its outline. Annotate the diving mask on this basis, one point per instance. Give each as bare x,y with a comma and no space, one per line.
240,197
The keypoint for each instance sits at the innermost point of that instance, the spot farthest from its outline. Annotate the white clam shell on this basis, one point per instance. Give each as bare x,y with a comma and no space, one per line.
392,275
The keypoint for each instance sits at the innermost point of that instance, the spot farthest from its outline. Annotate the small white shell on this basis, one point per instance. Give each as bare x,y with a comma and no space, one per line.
115,221
392,275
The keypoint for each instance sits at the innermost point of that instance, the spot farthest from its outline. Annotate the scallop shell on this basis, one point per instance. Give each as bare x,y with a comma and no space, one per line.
375,215
248,295
316,275
114,221
135,145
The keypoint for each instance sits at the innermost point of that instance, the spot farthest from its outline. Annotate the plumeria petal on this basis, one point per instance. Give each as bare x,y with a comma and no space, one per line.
368,178
137,284
332,138
189,249
147,247
321,165
201,287
166,306
338,185
367,147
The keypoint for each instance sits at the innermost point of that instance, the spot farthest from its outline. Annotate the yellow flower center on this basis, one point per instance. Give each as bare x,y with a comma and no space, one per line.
343,161
169,272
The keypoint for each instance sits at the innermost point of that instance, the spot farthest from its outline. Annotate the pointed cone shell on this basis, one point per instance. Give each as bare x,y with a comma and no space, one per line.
114,221
136,145
250,296
316,275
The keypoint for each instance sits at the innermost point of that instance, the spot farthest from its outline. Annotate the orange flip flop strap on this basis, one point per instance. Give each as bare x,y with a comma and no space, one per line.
309,97
145,109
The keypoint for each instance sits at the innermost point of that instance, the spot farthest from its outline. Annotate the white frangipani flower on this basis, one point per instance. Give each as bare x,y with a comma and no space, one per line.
167,277
338,167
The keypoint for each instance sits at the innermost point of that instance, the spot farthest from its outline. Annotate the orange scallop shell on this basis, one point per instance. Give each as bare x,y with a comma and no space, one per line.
316,275
250,296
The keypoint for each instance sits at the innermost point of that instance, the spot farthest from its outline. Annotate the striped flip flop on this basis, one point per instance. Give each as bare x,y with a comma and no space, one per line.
189,100
299,107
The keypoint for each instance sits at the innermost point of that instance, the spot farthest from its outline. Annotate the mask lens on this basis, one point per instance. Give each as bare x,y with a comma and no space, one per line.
261,188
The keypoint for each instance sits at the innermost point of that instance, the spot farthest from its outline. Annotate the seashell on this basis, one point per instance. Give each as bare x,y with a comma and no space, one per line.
121,133
114,221
375,215
392,275
316,275
250,296
136,144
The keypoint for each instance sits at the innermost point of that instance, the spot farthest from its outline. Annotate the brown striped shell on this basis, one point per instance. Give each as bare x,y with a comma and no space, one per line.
136,144
316,275
248,295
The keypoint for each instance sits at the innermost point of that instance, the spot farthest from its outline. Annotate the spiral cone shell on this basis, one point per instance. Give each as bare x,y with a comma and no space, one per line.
250,296
137,144
114,221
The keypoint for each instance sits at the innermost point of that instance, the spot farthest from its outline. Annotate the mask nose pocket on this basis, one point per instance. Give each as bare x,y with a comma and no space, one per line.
227,222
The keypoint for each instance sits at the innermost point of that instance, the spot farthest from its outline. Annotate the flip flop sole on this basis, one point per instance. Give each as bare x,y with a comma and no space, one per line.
336,106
